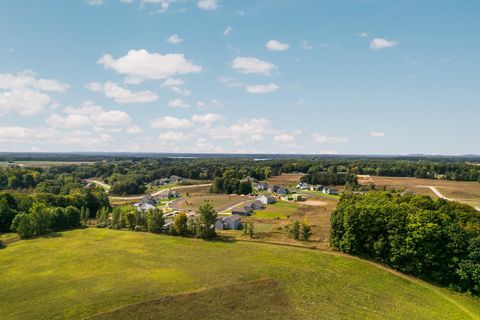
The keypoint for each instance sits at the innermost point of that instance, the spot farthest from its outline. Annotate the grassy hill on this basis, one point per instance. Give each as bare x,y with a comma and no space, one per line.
108,274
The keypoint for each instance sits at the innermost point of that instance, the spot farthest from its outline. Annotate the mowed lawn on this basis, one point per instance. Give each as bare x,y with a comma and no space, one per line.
280,210
89,272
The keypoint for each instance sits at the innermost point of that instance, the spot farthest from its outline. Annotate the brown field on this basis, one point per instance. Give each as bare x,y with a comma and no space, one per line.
286,179
220,201
462,191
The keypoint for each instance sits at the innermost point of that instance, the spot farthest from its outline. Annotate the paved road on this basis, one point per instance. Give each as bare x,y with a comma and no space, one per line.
157,193
100,183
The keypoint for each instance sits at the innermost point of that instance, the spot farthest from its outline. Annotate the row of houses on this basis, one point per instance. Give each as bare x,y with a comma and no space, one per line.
150,203
317,187
257,204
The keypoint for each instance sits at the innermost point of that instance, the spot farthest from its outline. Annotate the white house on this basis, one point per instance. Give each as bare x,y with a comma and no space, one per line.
228,223
266,199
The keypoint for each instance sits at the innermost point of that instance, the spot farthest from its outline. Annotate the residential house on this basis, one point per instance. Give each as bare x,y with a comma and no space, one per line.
174,179
328,190
169,194
150,200
228,223
243,210
303,186
266,199
273,189
142,206
282,191
256,205
261,186
160,182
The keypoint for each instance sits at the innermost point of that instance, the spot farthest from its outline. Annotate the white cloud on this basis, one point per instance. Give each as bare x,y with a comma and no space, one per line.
275,45
89,114
227,31
141,65
71,121
201,104
362,34
122,95
207,118
87,108
174,39
134,130
164,4
284,138
324,139
95,2
230,82
171,123
250,65
177,103
379,43
182,91
208,4
172,82
172,136
262,88
377,134
26,94
301,102
252,126
306,45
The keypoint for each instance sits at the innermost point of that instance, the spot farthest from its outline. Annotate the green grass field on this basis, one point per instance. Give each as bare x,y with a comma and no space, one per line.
280,209
109,274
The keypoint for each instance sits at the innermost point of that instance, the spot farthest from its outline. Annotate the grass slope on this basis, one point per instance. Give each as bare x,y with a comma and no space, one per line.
89,272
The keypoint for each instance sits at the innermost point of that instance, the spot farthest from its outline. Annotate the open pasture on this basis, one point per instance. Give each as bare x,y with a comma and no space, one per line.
133,275
462,191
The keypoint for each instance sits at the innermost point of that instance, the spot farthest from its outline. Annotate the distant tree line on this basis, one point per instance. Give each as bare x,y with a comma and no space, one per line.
230,186
436,240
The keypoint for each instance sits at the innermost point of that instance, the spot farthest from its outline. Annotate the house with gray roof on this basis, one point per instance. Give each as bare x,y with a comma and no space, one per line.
229,223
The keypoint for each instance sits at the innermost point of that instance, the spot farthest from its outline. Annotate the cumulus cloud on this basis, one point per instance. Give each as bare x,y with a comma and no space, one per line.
208,4
284,138
172,136
91,115
134,130
171,123
380,43
306,45
95,2
177,103
262,88
174,39
26,94
377,134
250,65
71,121
275,45
207,118
227,31
324,139
120,94
140,65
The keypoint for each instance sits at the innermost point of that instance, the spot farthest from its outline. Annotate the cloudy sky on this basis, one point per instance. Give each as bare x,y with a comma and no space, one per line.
240,76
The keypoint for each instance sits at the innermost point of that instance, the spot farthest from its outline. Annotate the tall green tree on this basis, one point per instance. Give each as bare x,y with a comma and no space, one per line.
206,221
155,220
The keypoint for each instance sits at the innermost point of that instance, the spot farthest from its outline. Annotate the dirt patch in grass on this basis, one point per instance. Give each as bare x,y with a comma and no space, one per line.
315,203
260,299
286,179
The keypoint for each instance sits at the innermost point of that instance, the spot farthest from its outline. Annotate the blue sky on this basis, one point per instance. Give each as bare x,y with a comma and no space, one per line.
269,76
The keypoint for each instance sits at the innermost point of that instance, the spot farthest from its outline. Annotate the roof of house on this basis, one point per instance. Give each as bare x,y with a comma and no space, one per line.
232,218
242,209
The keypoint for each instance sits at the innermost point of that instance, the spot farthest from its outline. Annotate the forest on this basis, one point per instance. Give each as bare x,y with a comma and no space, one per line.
436,240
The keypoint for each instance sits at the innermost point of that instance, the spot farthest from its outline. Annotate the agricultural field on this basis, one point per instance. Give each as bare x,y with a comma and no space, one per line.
288,180
462,191
133,275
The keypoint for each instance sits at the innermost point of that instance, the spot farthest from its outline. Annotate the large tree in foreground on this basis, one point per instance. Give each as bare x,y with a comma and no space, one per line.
207,216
